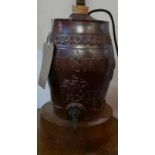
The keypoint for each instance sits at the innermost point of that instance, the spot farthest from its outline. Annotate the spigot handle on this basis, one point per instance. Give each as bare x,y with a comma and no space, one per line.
75,112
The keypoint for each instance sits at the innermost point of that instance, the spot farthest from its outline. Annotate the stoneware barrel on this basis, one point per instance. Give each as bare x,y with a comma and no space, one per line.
82,66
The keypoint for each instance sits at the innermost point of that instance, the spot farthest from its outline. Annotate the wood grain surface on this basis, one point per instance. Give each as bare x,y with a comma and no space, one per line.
56,137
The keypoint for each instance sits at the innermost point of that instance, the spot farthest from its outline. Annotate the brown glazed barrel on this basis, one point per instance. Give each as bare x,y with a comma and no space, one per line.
82,67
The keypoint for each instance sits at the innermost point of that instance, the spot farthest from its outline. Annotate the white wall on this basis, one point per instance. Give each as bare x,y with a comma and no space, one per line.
48,9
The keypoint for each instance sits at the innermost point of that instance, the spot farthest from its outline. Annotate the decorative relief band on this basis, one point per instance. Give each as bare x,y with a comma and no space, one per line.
81,39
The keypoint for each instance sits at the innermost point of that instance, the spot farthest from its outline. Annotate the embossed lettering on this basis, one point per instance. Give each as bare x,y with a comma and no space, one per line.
80,39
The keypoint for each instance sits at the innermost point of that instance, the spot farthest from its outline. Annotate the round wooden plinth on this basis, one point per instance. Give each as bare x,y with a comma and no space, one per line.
57,136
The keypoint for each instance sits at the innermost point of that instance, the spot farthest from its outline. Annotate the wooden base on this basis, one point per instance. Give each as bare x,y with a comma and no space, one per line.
57,137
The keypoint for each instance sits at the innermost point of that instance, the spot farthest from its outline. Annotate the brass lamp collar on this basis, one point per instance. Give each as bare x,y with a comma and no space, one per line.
80,9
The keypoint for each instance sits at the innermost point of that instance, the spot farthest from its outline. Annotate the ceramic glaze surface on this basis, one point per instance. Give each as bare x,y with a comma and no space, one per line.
82,66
